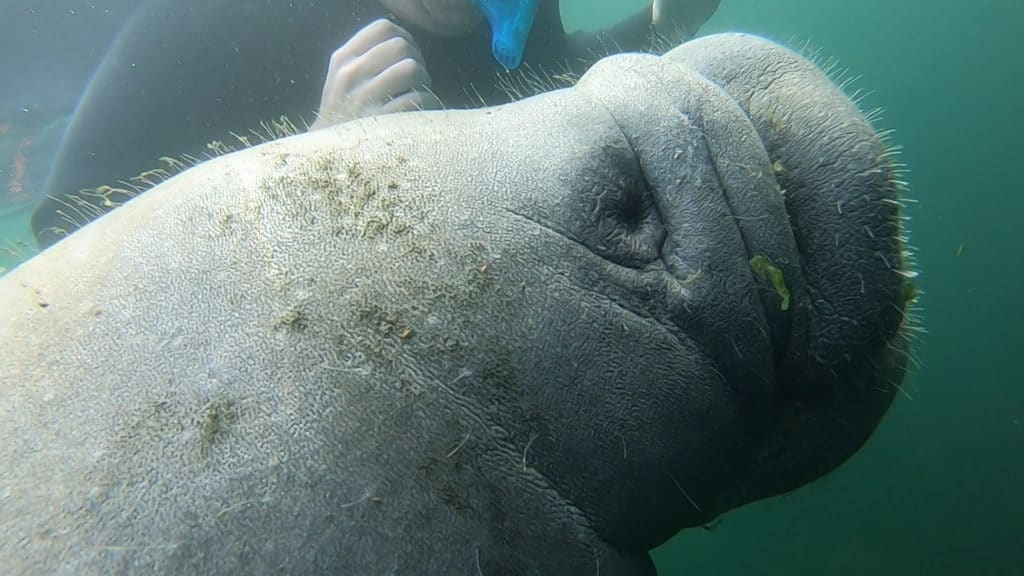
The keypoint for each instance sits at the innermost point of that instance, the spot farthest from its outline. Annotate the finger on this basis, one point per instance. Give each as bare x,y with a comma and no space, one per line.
370,36
345,83
381,57
400,78
352,88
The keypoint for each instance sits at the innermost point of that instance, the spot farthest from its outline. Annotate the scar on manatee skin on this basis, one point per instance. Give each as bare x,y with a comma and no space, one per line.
764,269
533,437
40,301
455,450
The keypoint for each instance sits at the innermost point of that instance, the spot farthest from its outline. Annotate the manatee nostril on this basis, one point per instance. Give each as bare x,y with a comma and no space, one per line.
610,209
631,210
629,229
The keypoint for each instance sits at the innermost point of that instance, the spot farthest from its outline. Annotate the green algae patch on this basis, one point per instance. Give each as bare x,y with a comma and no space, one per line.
290,318
214,424
765,270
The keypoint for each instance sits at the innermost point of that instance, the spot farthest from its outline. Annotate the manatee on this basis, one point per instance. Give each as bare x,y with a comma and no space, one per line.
539,338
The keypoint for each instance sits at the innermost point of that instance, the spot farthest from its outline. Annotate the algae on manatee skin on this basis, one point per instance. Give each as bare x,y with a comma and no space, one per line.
216,420
292,317
764,269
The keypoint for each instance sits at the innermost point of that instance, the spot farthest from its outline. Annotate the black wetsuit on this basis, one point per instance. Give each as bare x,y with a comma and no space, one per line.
184,73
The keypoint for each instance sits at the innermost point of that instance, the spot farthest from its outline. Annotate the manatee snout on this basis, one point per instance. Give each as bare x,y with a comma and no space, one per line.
841,349
761,211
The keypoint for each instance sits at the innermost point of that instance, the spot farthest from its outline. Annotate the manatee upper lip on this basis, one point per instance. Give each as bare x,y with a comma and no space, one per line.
662,270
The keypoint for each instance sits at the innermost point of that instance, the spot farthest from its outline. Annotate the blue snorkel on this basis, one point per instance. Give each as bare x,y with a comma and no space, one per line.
511,22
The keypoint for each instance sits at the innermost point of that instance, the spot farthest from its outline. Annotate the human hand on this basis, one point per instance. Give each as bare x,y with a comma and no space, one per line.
685,17
380,70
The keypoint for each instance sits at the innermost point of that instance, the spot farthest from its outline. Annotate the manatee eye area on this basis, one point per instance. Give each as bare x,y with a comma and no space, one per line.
625,226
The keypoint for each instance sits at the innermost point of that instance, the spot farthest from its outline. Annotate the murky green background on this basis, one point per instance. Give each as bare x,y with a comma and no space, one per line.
938,490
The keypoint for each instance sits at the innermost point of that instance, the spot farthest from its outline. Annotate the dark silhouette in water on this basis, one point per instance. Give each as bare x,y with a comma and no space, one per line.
183,74
48,51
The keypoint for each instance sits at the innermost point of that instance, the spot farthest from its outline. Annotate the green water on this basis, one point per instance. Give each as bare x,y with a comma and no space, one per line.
938,489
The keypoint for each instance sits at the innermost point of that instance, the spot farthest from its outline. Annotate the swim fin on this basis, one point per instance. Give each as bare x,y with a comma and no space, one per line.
511,22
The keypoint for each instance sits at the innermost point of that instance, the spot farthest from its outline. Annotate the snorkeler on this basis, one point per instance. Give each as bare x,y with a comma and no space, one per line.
184,74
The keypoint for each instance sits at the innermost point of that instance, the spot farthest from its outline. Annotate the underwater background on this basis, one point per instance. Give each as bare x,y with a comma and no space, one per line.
939,489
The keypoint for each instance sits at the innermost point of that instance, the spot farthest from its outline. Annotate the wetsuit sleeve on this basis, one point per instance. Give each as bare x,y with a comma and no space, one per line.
179,76
636,33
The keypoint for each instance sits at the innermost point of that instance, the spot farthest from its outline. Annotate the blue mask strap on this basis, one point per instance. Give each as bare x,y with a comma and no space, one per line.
511,22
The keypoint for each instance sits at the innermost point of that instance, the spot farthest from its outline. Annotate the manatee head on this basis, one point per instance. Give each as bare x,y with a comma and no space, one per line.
549,335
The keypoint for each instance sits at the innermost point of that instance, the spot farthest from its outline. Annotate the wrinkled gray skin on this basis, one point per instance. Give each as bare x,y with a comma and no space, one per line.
516,340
